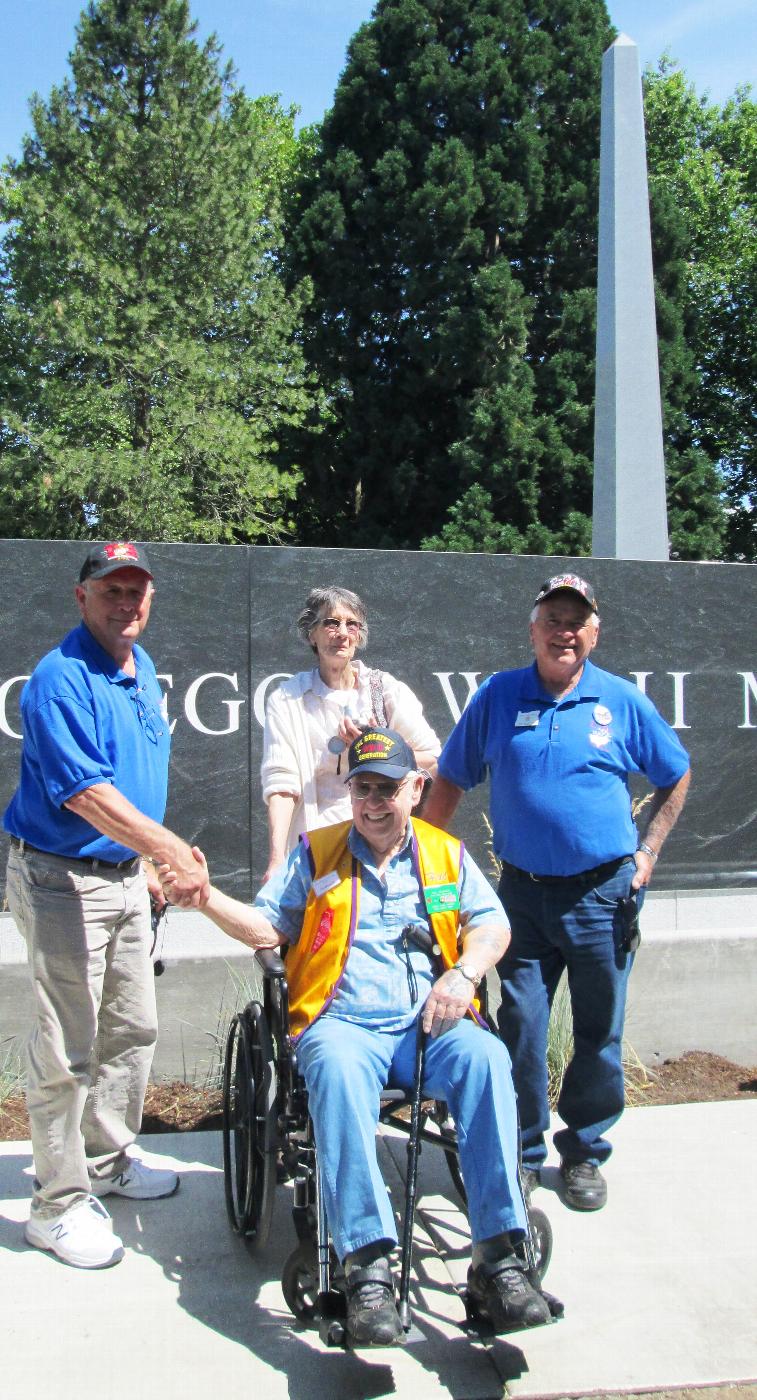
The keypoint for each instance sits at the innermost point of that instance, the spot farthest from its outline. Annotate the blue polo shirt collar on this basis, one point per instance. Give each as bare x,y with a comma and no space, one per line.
103,659
588,687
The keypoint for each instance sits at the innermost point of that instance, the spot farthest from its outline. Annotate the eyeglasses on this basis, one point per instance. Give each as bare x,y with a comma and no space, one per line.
362,790
332,624
149,718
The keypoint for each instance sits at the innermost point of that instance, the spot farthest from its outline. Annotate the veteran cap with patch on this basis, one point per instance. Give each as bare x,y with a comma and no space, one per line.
570,583
380,751
104,559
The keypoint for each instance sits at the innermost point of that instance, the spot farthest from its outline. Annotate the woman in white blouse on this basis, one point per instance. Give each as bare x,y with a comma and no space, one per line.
307,716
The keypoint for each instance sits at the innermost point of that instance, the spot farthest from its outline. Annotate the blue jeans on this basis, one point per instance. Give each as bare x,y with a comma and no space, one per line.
345,1068
558,926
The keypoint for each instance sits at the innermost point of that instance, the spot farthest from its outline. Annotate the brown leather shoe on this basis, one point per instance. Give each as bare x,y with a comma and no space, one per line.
584,1187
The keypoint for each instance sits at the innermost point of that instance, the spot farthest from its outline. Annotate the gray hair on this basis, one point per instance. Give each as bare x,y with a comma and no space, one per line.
593,617
320,600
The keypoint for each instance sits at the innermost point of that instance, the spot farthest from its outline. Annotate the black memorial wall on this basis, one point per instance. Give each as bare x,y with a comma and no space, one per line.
222,633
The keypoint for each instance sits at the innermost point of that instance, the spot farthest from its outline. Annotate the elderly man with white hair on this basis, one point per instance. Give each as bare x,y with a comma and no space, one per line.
558,740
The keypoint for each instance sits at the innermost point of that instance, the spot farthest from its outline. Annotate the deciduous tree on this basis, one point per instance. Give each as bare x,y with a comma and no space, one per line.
703,160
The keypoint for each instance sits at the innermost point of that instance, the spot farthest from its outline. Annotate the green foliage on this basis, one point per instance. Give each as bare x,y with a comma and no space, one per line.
148,350
703,162
449,227
448,221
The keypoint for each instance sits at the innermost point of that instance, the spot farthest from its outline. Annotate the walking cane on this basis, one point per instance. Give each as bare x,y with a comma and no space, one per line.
413,1150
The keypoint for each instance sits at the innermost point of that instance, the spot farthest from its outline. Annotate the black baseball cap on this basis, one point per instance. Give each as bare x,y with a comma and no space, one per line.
570,583
380,751
104,559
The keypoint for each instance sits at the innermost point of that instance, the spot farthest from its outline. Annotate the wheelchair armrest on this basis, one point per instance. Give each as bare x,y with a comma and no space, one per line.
271,962
394,1096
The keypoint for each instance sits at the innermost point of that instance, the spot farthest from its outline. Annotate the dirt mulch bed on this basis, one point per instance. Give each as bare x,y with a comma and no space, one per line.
697,1077
169,1108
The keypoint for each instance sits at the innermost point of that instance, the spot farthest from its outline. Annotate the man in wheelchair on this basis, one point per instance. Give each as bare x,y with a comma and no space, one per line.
357,992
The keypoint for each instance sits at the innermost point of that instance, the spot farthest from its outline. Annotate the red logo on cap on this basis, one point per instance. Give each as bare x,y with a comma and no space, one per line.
120,550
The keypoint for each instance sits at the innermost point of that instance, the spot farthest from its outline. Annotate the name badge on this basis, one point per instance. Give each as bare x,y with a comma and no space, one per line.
526,719
441,898
326,882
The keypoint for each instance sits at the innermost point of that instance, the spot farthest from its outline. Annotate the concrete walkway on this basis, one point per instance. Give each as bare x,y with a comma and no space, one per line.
660,1288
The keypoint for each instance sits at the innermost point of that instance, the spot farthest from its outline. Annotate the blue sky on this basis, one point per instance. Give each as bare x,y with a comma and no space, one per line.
297,47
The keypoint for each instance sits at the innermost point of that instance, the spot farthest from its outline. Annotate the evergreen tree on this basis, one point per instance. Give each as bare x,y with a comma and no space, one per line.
148,350
449,227
703,160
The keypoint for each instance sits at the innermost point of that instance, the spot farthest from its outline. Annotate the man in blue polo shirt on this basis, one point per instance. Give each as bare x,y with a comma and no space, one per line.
88,807
558,740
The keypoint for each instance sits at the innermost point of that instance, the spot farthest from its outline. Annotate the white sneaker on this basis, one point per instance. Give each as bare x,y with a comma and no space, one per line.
138,1181
80,1236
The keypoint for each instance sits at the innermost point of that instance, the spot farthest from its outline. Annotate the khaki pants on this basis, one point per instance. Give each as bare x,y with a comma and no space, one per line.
88,938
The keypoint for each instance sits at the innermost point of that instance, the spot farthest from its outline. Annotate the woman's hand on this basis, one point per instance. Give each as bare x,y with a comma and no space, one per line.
348,730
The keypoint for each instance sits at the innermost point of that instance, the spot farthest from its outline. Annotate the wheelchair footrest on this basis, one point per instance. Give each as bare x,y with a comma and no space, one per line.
332,1312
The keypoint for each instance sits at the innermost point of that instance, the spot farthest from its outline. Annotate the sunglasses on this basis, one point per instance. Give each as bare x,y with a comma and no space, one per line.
362,790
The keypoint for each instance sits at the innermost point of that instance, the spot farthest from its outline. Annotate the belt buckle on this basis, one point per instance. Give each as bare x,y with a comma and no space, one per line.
533,877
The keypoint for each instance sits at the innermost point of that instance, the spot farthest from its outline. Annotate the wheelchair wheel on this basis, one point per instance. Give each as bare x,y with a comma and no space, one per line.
249,1126
299,1281
541,1239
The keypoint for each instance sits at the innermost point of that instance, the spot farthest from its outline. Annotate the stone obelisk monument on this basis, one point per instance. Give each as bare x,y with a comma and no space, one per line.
630,513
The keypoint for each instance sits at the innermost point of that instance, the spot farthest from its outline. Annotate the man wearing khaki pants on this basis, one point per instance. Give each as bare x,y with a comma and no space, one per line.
88,807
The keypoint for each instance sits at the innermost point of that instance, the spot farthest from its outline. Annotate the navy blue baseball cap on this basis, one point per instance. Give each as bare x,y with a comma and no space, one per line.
380,751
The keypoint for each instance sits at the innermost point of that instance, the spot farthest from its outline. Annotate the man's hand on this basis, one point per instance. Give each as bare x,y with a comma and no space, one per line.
644,870
190,893
155,889
108,811
447,1002
665,810
190,884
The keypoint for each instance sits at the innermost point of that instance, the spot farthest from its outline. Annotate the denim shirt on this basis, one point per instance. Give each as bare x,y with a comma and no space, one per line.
376,988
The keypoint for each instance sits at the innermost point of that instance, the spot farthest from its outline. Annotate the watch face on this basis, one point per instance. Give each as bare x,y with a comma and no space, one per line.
468,971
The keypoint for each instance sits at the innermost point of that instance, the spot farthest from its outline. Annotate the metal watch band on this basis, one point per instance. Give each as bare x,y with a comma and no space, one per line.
474,977
642,846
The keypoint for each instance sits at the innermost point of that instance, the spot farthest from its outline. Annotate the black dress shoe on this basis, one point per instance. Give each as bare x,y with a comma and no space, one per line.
372,1317
502,1292
584,1187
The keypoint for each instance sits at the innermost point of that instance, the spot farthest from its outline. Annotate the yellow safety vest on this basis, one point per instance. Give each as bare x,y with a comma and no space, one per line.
315,963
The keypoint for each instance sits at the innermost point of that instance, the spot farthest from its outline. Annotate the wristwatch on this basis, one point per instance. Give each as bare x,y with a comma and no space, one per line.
642,846
469,971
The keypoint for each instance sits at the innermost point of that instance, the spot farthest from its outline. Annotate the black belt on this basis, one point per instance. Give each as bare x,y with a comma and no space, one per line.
93,862
584,877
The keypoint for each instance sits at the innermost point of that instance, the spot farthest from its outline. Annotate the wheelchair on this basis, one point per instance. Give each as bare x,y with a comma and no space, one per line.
268,1138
